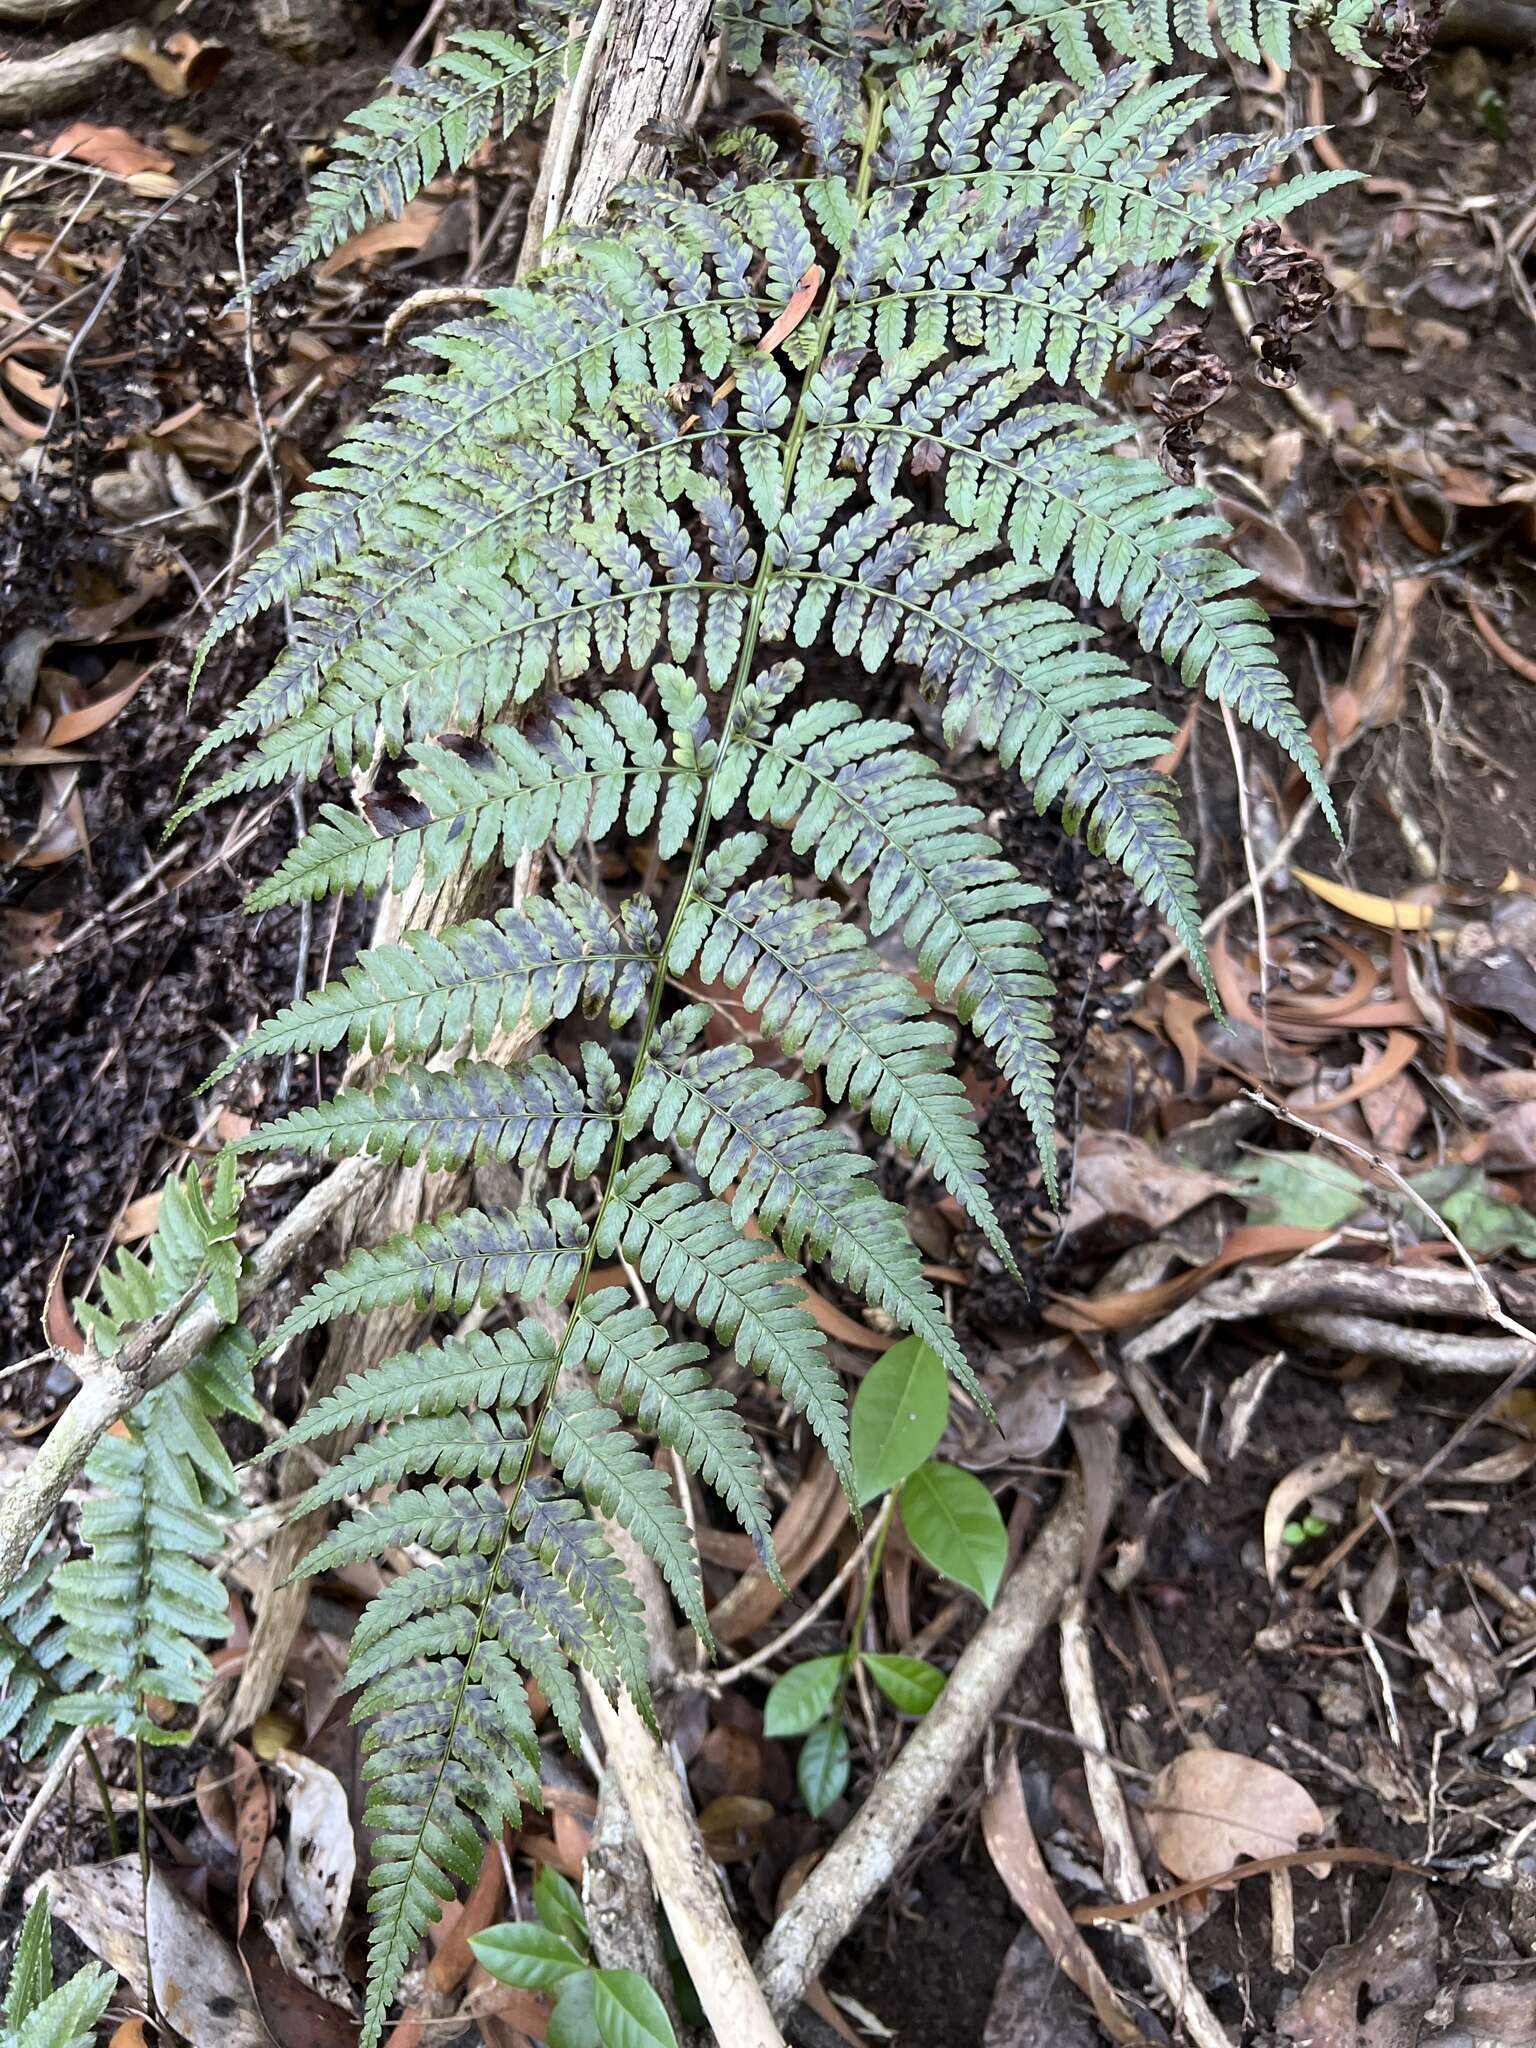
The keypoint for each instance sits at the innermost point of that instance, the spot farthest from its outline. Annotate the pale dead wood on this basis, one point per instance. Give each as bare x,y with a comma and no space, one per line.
864,1858
1310,1285
47,85
1124,1876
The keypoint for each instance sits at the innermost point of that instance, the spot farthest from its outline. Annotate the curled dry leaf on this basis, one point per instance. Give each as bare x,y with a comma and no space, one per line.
1212,1807
109,149
1462,1677
1016,1854
318,1868
1312,1476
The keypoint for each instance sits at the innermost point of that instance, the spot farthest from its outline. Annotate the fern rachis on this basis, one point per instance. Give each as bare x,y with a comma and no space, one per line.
802,413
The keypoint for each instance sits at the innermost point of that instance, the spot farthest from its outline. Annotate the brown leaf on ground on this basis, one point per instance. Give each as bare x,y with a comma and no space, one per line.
109,149
1116,1177
1462,1676
1209,1807
1030,2009
1016,1855
1393,1961
410,232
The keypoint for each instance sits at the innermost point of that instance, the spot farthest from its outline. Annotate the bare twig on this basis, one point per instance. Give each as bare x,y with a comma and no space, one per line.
1123,1872
46,85
865,1856
38,1805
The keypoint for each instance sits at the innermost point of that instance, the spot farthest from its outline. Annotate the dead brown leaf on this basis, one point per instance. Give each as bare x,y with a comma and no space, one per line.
109,149
1116,1177
410,231
1016,1855
1393,1960
1211,1807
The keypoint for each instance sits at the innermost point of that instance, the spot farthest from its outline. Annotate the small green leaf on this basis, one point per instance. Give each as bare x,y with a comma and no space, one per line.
1305,1190
558,1904
629,2014
822,1772
907,1682
529,1956
573,2023
899,1415
800,1698
953,1520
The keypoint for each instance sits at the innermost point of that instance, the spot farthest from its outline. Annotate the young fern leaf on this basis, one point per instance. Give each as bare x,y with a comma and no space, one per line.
831,413
36,1668
34,2014
481,82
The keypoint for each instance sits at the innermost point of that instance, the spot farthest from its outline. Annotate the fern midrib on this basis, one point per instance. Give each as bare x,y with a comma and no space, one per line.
653,1010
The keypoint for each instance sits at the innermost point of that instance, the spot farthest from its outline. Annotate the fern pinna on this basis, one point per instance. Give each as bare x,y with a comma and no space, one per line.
582,581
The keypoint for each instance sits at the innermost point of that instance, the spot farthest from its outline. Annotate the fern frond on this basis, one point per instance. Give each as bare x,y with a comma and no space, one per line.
472,1113
525,966
449,1741
568,777
475,1256
865,803
645,1374
35,2015
482,81
818,989
142,1604
192,1251
596,1455
36,1668
484,1369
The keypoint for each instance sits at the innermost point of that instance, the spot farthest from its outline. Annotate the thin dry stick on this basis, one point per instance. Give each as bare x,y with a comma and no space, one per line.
1255,886
1492,1308
573,117
1123,1872
865,1856
57,1772
728,1674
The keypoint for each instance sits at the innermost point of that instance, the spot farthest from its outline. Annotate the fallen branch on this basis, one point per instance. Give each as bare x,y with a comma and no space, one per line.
1430,1350
110,1387
616,1891
1310,1285
865,1856
1123,1872
668,1830
37,10
47,85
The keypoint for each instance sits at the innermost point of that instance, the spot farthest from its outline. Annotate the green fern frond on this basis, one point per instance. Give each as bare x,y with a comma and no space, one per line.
192,1251
481,82
449,1741
36,1668
142,1604
567,778
472,1113
473,1257
864,803
35,2015
548,576
526,966
817,988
